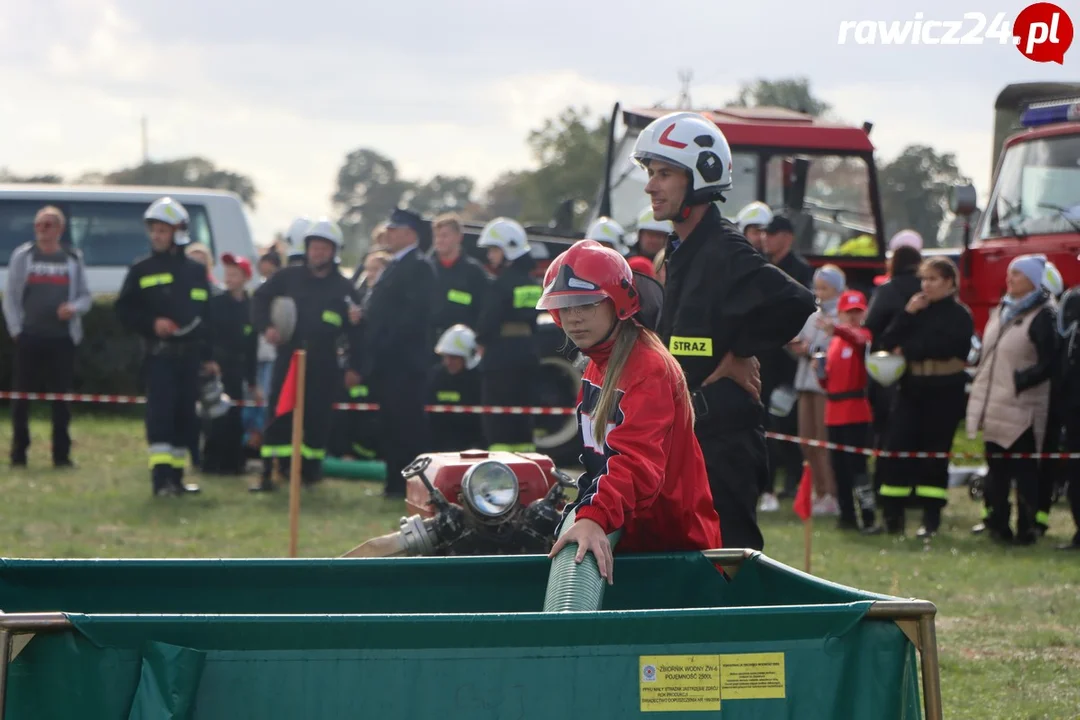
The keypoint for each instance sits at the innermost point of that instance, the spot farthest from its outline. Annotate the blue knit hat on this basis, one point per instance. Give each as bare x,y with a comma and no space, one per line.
833,276
1033,267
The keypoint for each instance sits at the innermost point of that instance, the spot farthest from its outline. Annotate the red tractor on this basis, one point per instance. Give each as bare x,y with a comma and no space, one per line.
821,175
1034,206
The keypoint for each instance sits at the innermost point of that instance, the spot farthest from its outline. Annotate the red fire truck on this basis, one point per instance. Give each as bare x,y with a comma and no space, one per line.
1034,206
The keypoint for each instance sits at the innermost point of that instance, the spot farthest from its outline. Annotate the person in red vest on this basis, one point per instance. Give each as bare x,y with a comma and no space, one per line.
847,410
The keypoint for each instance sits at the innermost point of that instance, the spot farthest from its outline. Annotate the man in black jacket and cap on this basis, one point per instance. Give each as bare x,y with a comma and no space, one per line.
723,305
396,345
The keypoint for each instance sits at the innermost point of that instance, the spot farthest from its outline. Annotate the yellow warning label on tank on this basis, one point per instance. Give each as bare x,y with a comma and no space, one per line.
674,683
753,676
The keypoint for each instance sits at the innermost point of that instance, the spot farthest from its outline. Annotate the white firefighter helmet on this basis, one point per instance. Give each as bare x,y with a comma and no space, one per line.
213,402
755,213
172,213
692,142
507,235
647,221
607,231
885,367
283,317
460,341
298,231
326,229
910,238
1052,280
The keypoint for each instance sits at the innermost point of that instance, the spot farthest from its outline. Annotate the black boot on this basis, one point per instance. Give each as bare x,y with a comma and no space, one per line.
931,522
161,481
183,488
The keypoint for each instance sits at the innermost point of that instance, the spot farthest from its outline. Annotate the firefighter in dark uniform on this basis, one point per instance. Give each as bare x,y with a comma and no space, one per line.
396,346
326,313
1068,320
454,380
460,280
234,348
723,305
505,332
163,299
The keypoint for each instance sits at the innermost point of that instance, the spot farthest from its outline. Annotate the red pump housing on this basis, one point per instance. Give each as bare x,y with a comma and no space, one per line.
535,474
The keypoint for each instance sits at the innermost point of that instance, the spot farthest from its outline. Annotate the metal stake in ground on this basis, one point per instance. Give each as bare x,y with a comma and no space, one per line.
295,466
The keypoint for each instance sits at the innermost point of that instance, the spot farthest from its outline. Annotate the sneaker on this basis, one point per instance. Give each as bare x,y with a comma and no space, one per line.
825,507
769,503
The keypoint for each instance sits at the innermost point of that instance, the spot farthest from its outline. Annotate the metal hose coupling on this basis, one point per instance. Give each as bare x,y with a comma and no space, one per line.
574,587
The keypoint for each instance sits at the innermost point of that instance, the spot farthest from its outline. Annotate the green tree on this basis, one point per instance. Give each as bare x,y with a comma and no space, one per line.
915,190
185,172
8,177
442,193
790,93
368,190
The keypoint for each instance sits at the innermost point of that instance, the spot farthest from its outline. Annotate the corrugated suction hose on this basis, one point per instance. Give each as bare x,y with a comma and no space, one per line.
572,587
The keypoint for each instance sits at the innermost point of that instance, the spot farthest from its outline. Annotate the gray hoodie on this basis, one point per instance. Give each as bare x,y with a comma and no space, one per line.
78,291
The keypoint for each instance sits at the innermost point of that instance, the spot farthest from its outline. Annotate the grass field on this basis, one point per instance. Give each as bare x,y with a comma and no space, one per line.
1008,623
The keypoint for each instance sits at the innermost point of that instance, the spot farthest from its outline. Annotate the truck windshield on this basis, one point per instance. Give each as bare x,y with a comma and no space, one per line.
1038,190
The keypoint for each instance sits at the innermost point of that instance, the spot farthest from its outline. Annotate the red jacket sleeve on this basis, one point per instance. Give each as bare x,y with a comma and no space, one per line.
859,337
635,468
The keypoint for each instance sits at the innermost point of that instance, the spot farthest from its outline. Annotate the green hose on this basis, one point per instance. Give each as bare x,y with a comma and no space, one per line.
574,587
354,469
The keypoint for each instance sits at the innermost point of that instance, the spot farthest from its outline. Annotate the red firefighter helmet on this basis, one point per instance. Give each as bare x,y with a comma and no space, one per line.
586,274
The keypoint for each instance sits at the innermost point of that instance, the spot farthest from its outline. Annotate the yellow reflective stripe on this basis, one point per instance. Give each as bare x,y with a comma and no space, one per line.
460,297
179,462
329,316
927,491
147,281
247,329
448,396
309,453
511,448
358,391
985,512
695,346
526,296
363,451
896,491
199,294
1043,518
165,458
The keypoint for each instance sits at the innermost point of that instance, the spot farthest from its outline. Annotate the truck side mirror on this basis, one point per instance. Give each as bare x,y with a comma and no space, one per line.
962,200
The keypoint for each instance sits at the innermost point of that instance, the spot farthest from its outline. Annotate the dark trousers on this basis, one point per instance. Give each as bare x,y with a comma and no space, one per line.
852,480
223,448
1072,445
322,379
924,417
42,365
403,423
735,462
1050,470
784,455
1002,472
508,386
172,389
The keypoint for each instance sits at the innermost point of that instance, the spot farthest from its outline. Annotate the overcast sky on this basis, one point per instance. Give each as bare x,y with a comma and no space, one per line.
281,91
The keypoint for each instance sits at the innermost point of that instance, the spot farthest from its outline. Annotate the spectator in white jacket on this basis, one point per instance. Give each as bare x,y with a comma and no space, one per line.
829,284
45,297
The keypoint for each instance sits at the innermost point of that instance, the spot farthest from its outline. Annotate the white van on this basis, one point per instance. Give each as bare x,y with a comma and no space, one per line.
105,223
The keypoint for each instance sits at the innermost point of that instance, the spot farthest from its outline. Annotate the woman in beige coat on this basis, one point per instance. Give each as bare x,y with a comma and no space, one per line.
1010,396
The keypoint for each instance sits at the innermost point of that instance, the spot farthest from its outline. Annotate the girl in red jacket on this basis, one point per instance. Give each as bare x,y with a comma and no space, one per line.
644,471
847,410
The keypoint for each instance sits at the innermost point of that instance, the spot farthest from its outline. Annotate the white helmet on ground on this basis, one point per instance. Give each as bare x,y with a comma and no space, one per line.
647,221
1052,280
297,232
170,212
692,142
507,235
326,229
755,213
607,231
885,367
460,341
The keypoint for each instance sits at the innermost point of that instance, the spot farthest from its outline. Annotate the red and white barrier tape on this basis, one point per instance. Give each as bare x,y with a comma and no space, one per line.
518,410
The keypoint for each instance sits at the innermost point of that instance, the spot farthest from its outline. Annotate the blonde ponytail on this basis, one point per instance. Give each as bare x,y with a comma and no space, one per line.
626,334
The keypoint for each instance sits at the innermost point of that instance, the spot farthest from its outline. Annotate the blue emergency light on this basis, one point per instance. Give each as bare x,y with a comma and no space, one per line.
1048,113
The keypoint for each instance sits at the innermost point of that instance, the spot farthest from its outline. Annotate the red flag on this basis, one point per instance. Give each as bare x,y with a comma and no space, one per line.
803,498
287,399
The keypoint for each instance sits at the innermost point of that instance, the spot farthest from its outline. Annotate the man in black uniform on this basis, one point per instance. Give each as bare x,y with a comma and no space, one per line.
396,346
323,298
505,332
163,299
723,305
461,281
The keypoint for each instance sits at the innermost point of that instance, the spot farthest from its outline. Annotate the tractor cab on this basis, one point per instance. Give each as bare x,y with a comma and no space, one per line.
820,175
